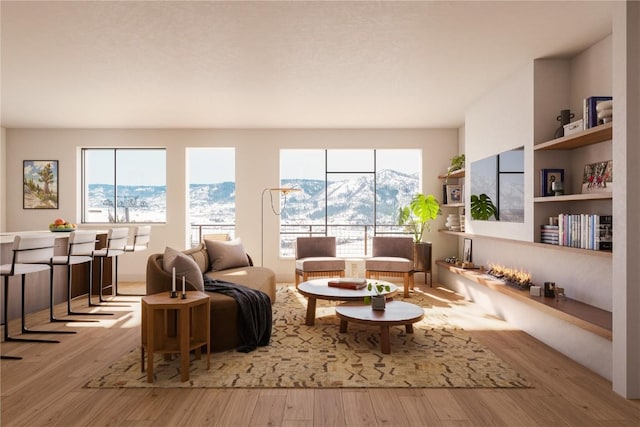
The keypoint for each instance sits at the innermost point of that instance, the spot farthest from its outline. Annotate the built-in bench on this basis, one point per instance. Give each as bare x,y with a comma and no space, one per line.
578,330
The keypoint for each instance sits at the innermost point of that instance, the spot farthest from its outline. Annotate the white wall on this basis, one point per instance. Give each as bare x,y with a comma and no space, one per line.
257,167
3,179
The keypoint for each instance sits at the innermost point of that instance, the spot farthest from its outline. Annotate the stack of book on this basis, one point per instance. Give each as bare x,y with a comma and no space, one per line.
549,234
585,231
347,283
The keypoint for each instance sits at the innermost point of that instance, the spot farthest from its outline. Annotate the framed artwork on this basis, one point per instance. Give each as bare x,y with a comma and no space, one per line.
466,251
454,193
547,178
598,177
40,184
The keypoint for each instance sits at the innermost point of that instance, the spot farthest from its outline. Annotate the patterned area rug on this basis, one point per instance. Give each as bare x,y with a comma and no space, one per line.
437,354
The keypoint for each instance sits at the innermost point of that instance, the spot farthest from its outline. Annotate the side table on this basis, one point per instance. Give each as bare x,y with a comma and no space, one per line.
175,325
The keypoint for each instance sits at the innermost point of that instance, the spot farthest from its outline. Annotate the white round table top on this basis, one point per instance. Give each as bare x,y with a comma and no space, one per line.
319,288
395,312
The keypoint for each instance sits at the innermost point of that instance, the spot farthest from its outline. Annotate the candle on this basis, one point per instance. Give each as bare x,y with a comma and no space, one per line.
173,281
183,286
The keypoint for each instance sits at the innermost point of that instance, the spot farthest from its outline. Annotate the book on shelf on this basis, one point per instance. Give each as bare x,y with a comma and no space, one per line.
585,231
348,283
589,112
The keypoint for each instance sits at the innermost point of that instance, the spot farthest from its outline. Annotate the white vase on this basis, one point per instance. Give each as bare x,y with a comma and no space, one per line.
453,221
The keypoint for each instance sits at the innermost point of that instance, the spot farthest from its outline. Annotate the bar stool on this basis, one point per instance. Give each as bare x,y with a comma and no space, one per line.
115,245
31,254
141,238
79,251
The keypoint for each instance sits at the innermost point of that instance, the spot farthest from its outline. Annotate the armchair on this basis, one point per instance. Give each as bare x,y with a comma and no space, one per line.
392,257
316,257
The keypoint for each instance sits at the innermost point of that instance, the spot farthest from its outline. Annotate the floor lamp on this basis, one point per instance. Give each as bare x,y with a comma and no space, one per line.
283,190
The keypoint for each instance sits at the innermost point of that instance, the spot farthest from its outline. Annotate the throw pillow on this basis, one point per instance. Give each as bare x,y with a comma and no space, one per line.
229,254
185,266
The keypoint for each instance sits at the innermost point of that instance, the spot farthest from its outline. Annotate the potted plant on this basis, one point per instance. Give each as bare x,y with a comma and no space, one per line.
416,218
482,207
457,163
377,300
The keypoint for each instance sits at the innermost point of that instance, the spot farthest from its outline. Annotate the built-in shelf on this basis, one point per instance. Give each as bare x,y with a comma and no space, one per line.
606,254
453,175
588,317
594,135
574,197
453,205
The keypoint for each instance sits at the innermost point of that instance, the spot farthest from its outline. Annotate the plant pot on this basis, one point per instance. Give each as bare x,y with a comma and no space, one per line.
422,256
378,302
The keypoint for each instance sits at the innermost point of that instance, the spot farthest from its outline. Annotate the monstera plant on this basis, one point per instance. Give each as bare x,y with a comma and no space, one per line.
482,207
416,216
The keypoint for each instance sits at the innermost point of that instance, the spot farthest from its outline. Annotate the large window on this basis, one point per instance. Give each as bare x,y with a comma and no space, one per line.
212,192
352,194
124,185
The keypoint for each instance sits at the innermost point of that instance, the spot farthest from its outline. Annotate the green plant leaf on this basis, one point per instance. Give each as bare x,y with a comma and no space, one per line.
416,216
482,207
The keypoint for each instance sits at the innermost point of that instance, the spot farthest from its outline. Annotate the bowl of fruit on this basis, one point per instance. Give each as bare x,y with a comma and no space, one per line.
60,225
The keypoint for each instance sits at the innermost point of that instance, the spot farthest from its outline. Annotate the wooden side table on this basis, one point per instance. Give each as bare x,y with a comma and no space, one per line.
175,325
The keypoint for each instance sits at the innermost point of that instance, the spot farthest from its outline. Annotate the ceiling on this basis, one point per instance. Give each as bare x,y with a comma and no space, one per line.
266,64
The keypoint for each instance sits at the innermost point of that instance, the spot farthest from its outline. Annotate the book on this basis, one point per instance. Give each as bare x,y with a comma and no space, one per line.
348,283
604,236
589,114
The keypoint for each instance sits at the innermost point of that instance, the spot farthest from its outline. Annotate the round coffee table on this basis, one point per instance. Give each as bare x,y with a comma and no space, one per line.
319,289
396,313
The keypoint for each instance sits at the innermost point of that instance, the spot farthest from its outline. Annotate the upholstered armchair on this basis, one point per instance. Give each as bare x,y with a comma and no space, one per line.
392,257
316,257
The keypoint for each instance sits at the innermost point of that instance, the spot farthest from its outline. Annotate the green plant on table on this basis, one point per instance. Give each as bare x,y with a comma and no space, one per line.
482,207
377,288
416,216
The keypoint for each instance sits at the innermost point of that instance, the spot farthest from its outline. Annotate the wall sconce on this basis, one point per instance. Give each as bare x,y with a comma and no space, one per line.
278,212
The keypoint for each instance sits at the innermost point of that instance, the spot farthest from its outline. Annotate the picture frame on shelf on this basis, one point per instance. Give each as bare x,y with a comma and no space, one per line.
454,193
39,184
466,251
547,178
598,177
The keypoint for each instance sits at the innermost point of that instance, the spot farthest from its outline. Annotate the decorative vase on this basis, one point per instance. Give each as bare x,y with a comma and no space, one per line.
564,118
378,302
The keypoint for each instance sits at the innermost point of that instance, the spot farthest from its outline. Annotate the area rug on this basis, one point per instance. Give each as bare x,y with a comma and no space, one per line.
436,354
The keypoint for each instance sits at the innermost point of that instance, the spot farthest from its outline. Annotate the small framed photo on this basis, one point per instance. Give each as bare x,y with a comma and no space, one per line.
40,184
598,177
454,193
547,178
466,251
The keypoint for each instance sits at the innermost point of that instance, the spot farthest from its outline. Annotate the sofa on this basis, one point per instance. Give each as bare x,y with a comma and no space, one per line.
212,260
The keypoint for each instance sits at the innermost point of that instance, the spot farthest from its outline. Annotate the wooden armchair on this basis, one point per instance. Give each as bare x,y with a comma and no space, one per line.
392,257
316,257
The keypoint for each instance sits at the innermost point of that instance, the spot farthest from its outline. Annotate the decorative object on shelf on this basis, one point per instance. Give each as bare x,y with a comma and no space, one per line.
574,127
482,208
462,219
511,276
453,222
466,251
40,184
378,299
598,177
416,216
564,118
590,110
547,178
535,291
558,188
451,260
605,112
457,163
549,289
560,295
454,194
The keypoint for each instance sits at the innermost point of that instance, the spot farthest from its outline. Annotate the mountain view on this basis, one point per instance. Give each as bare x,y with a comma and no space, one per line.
349,201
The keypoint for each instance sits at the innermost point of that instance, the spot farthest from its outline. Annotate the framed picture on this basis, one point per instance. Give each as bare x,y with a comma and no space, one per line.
40,184
547,178
598,177
454,193
466,251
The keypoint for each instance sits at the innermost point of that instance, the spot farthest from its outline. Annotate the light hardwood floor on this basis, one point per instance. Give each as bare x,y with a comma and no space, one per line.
45,388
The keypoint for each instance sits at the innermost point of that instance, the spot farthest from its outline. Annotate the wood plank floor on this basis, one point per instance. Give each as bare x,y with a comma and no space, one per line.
45,388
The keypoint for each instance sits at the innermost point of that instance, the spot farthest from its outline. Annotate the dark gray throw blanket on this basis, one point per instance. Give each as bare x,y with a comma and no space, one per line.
255,312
